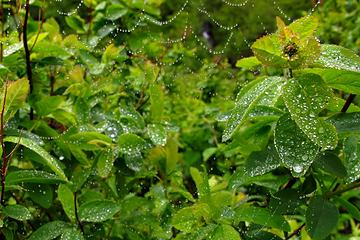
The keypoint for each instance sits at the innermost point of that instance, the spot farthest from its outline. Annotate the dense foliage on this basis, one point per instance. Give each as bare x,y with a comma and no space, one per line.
179,119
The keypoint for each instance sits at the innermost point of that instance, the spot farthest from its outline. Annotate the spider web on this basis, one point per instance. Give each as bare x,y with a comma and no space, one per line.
192,36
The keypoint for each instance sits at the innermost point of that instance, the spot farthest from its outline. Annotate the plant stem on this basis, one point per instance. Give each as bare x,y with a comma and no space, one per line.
296,232
76,214
4,155
27,53
348,102
2,20
343,189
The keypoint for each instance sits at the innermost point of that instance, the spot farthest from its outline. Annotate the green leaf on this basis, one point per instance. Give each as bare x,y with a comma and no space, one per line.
157,134
46,158
49,231
346,122
115,11
321,218
172,155
72,234
157,102
331,163
131,146
32,176
17,212
93,64
285,202
48,104
298,94
17,93
248,63
89,140
261,216
76,23
66,198
351,156
201,181
304,27
351,208
259,163
225,232
268,50
105,163
339,79
41,194
98,211
337,57
296,150
247,100
189,218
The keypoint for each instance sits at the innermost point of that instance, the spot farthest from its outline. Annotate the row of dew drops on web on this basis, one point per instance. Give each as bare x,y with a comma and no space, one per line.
187,32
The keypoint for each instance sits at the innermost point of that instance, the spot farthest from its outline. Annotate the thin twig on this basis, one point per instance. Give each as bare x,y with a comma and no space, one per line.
2,20
41,12
348,102
27,53
4,155
296,232
343,189
76,214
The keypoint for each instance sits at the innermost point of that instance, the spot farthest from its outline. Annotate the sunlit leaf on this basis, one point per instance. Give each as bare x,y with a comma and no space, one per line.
17,93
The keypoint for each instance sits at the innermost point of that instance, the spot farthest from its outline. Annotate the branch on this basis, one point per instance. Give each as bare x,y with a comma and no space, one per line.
296,232
4,155
343,189
76,214
348,102
27,53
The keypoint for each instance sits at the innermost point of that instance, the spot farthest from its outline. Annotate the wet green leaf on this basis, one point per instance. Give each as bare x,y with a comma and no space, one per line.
32,176
17,212
352,159
115,11
346,122
261,216
72,234
66,198
131,146
189,218
201,181
331,163
45,157
321,218
351,208
98,211
305,96
17,93
248,63
337,57
49,231
247,100
297,152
